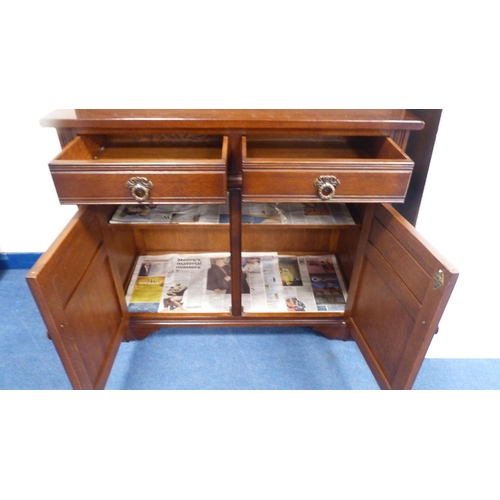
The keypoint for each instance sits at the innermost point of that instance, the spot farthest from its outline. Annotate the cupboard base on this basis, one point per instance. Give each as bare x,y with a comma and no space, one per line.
334,329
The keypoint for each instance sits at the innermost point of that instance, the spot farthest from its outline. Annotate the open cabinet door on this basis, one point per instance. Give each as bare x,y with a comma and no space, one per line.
73,284
400,287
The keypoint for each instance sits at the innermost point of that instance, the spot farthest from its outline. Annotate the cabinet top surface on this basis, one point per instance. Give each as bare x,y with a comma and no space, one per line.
241,119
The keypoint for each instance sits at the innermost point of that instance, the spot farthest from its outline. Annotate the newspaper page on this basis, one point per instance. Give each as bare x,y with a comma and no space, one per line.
261,213
296,213
167,214
312,283
252,213
202,283
315,213
261,289
181,283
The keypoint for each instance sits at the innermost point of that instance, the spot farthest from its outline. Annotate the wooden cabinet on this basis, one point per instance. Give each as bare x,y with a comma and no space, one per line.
398,286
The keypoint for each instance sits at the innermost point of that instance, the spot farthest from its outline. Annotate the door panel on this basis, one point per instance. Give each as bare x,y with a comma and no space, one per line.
399,290
74,286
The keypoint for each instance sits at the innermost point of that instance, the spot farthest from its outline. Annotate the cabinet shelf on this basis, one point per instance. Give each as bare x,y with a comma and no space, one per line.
270,283
275,214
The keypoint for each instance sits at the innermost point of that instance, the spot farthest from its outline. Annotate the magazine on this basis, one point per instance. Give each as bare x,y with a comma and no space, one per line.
252,213
202,283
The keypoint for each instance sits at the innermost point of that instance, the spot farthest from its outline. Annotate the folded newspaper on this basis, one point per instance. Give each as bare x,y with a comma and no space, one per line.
252,213
201,283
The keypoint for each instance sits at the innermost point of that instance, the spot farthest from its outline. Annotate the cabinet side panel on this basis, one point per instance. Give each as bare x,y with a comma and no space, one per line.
284,239
346,250
122,245
186,238
420,147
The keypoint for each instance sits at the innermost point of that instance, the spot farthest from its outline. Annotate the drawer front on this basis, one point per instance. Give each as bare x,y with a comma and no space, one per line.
372,169
275,185
169,186
101,170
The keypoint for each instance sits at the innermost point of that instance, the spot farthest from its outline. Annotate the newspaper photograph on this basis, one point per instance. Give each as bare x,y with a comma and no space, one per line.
312,283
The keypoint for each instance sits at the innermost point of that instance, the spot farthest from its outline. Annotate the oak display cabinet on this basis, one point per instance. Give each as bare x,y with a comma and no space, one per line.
398,285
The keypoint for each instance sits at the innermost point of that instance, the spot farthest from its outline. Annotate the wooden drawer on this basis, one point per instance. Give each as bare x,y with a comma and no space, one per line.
146,168
347,169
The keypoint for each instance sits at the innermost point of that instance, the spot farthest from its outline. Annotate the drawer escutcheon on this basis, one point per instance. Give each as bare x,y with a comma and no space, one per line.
140,187
326,186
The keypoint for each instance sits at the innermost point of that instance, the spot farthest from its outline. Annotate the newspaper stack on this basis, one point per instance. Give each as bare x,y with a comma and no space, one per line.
252,213
202,283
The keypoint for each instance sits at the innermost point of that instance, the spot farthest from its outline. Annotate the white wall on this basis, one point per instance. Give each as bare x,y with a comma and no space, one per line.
31,217
459,217
100,56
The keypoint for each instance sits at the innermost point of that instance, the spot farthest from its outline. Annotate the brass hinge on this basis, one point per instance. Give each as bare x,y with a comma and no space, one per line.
438,279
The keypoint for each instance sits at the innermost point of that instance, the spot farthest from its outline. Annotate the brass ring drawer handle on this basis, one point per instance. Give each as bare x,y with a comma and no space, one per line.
326,186
140,187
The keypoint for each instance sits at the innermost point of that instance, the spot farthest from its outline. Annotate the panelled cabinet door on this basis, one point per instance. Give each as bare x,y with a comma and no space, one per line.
73,284
400,287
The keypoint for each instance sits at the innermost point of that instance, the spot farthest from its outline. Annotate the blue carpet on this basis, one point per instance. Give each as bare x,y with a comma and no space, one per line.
18,260
240,359
235,359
